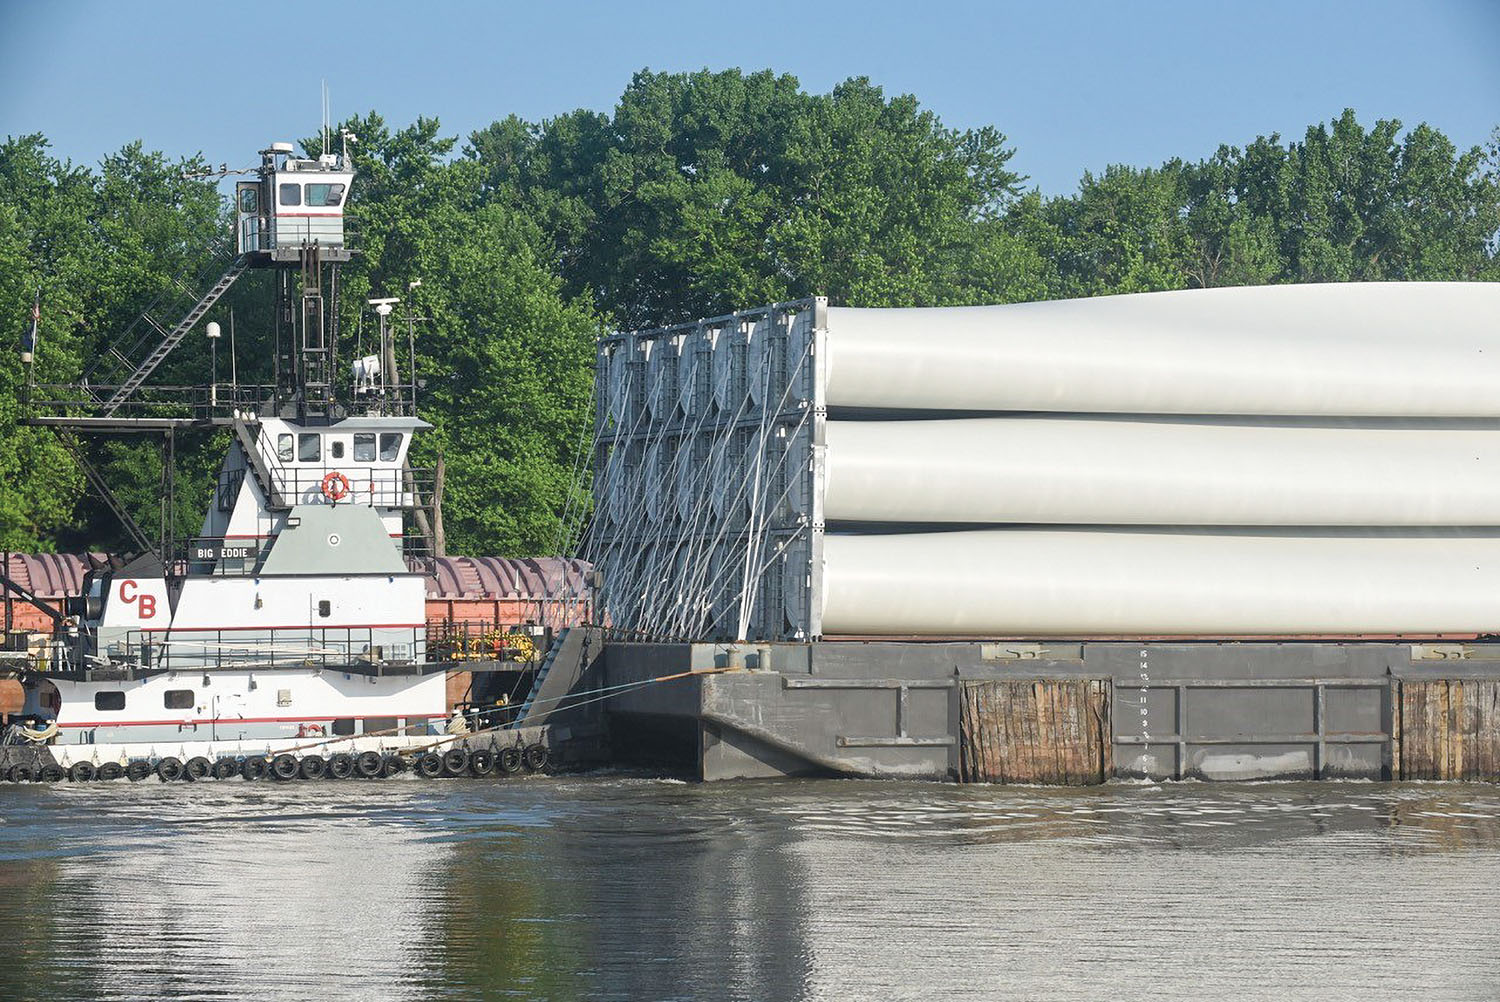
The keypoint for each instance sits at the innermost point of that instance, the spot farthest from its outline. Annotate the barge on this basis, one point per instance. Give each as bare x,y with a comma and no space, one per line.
1216,534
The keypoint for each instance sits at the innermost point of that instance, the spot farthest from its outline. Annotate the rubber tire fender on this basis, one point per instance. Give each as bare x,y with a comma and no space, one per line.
537,757
51,774
111,771
369,765
254,768
137,770
456,762
285,767
482,762
429,765
392,765
312,767
21,773
169,769
340,765
196,768
224,768
81,772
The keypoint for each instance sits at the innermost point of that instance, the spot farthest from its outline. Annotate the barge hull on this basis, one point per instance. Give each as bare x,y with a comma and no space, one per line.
1065,712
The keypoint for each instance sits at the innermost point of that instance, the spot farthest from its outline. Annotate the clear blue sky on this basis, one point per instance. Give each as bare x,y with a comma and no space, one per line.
1074,85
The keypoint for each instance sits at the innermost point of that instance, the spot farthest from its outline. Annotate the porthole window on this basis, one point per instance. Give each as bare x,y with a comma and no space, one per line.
113,700
336,449
177,699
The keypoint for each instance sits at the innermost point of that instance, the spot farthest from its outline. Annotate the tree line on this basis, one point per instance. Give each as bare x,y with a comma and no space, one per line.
700,194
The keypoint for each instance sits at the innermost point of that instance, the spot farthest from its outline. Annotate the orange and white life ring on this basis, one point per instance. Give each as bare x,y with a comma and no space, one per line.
310,731
335,486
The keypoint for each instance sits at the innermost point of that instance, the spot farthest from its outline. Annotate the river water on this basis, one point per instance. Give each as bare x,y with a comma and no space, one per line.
625,887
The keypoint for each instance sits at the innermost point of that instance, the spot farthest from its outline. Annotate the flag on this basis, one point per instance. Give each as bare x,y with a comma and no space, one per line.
29,339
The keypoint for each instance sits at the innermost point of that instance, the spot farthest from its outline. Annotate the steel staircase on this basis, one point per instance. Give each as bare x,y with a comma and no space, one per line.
556,678
169,339
541,677
271,483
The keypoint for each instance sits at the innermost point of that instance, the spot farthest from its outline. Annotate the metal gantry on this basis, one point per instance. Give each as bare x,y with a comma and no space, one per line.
707,439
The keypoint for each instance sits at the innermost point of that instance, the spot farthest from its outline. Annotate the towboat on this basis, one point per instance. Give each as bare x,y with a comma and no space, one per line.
288,637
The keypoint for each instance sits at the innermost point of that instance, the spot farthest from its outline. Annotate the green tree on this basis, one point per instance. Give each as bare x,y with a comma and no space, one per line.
707,191
508,359
1344,204
47,244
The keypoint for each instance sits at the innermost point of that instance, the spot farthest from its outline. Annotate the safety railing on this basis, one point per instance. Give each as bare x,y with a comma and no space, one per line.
289,647
523,645
332,232
270,460
376,486
200,403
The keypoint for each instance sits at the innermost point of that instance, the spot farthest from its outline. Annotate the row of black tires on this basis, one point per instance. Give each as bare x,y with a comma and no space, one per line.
366,765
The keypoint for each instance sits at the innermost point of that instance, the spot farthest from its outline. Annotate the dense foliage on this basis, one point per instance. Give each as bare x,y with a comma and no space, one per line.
700,194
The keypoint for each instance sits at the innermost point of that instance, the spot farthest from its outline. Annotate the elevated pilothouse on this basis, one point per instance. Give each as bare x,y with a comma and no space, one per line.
294,203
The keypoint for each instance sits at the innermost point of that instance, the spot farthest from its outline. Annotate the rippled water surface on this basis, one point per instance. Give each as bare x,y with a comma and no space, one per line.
616,887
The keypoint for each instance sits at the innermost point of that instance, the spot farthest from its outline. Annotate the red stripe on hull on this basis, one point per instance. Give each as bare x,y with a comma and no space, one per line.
296,626
253,720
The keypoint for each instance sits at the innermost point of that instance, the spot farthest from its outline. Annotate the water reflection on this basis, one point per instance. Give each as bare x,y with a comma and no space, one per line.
619,887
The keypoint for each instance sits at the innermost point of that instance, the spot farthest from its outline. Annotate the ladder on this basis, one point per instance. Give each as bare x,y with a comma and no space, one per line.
171,338
271,485
541,676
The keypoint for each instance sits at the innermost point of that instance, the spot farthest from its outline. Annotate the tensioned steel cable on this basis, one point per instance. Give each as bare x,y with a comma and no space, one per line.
708,553
673,534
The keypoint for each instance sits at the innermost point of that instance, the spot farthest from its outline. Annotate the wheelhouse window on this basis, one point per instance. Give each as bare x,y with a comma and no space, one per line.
309,448
107,701
291,194
390,446
284,450
177,699
364,448
325,194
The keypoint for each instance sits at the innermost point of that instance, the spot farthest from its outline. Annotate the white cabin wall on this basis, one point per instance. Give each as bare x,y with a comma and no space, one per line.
250,603
245,705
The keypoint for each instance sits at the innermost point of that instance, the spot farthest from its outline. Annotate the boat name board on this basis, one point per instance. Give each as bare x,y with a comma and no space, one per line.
214,549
